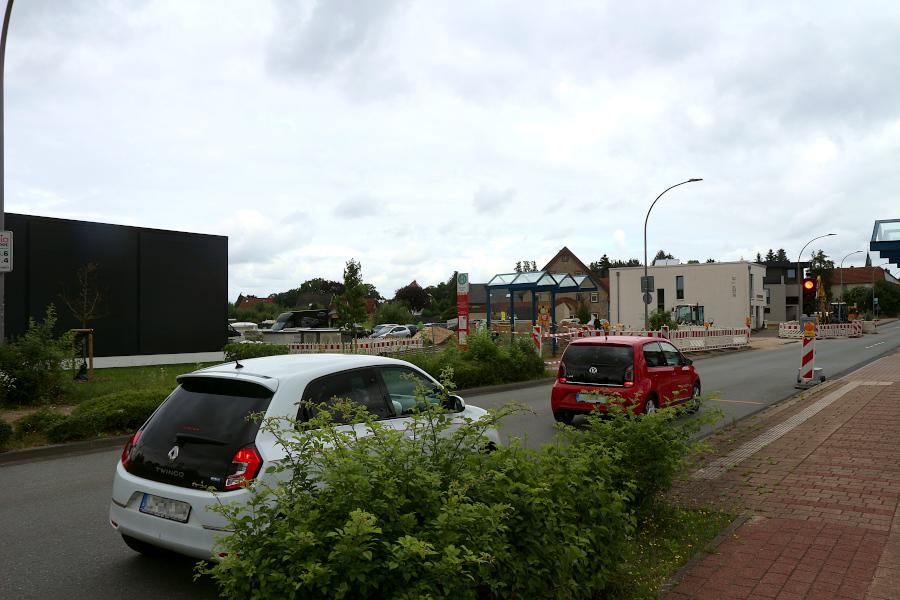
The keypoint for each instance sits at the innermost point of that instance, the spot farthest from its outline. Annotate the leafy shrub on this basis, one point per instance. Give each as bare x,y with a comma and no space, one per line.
428,513
245,350
651,448
484,362
6,433
660,318
38,422
32,365
121,412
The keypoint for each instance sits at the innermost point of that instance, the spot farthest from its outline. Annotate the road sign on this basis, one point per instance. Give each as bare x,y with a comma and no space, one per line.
647,298
647,284
809,327
462,283
6,251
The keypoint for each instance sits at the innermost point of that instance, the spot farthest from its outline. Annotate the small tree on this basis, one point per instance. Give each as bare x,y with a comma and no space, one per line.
86,301
584,315
351,306
392,312
660,318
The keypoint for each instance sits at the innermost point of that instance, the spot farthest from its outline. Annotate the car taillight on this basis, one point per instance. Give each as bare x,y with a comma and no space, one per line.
129,446
629,377
246,464
561,373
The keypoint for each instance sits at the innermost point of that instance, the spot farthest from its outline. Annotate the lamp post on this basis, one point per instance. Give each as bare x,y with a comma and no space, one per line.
646,315
841,303
6,15
799,288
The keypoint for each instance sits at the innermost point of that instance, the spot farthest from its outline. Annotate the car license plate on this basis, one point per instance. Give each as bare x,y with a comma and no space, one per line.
174,510
591,398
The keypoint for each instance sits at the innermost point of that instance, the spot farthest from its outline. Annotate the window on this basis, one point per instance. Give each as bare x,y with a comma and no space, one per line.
791,275
597,364
653,356
792,300
679,287
359,386
401,384
670,354
595,297
565,258
661,299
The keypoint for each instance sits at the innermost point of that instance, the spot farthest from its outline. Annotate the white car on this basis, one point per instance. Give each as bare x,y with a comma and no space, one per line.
200,438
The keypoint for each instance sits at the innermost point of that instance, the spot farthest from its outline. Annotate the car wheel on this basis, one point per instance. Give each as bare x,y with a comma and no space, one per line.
650,405
563,416
143,547
694,402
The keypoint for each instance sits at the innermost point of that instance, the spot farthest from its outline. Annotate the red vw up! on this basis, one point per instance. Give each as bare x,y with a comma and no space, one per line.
646,373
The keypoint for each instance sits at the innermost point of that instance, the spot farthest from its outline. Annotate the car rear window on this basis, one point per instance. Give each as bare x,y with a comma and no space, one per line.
207,419
596,364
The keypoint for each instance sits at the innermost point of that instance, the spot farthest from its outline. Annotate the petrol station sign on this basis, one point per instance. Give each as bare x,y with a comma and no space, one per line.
462,307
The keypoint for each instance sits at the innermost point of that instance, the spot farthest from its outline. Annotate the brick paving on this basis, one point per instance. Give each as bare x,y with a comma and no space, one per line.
824,499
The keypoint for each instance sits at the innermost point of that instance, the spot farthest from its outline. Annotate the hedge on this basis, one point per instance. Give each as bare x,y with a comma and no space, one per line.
245,350
120,412
6,433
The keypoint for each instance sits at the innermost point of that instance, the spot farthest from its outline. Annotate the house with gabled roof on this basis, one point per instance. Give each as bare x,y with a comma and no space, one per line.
597,302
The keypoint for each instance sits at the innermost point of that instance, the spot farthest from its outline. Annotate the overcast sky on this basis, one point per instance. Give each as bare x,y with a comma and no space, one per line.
426,137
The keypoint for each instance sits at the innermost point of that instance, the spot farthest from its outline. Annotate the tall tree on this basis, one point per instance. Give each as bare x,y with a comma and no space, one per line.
600,268
413,296
351,305
710,260
662,255
781,255
759,258
770,256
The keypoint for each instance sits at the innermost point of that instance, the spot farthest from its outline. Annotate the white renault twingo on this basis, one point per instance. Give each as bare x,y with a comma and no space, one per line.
200,439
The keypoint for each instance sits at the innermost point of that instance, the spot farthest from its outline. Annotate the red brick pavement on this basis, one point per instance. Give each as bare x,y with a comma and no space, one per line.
825,500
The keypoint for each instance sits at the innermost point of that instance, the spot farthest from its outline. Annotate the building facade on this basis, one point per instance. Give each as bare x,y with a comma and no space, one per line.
597,302
724,294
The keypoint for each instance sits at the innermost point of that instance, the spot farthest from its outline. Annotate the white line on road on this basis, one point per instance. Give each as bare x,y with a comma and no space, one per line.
735,401
873,345
720,466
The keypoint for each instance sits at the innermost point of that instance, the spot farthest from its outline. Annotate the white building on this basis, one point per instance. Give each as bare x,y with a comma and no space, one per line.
723,293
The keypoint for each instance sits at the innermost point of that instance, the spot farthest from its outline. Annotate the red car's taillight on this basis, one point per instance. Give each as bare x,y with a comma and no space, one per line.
129,446
246,464
561,373
629,377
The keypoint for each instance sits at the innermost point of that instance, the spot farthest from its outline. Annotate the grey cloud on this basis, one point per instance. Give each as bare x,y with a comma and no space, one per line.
358,207
339,38
493,200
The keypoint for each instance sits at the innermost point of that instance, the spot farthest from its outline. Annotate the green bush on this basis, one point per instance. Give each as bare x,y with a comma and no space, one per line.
121,412
413,515
660,318
6,433
31,366
484,362
245,350
38,422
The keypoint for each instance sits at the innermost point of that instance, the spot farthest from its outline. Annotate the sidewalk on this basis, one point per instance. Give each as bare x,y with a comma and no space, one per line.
819,477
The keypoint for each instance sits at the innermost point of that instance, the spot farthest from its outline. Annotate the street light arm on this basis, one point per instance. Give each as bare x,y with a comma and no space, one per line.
647,218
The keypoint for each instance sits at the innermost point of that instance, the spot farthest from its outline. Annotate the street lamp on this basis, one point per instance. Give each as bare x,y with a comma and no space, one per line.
841,303
646,316
799,256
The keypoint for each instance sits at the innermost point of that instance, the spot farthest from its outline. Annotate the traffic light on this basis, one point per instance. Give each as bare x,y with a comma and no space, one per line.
809,287
809,295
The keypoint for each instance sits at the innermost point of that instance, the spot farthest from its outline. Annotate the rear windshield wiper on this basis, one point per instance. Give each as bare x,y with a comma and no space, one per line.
181,438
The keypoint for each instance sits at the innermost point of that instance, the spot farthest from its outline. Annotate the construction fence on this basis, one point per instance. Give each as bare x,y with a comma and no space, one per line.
791,329
685,338
362,346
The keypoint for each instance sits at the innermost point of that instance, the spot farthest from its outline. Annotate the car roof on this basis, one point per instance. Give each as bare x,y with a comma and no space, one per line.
615,340
292,366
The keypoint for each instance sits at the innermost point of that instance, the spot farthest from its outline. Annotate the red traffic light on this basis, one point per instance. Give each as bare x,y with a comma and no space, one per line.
809,286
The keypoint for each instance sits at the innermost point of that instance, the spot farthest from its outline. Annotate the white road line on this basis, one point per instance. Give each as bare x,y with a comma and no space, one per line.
734,401
721,465
873,345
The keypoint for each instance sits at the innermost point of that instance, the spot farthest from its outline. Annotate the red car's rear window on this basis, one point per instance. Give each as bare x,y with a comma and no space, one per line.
596,364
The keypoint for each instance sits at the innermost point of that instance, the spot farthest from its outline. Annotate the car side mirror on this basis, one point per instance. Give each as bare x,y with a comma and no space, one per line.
455,403
685,362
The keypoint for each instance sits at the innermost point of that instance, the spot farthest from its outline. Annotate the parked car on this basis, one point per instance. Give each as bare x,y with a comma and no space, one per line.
412,328
643,373
380,329
398,331
200,439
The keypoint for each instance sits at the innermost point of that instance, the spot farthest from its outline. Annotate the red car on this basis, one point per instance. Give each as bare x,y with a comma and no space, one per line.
647,373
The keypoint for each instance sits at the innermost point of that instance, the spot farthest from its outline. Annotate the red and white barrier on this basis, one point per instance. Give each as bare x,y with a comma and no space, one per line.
536,339
360,347
807,361
791,329
689,339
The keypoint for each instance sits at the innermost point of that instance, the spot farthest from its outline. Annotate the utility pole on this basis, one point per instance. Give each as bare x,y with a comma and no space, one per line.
6,15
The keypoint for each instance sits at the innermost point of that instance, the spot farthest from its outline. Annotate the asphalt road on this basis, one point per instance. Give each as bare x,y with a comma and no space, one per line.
54,513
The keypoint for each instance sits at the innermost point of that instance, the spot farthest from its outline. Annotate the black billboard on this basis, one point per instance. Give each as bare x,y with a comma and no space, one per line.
160,292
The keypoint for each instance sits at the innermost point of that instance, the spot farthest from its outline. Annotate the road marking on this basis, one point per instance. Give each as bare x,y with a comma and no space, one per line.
736,401
873,345
722,465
